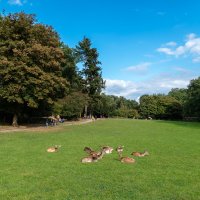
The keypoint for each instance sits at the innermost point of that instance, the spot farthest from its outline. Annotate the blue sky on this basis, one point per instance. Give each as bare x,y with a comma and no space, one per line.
145,46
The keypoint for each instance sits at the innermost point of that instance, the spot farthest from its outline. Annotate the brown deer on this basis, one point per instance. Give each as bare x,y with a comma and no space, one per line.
124,159
87,150
102,153
89,159
93,158
53,149
127,160
140,154
91,152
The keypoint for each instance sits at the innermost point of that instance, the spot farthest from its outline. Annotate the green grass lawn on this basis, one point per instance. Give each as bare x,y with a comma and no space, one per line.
171,172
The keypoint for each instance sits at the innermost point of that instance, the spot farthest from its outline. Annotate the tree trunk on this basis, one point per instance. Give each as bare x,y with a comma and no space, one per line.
85,114
14,123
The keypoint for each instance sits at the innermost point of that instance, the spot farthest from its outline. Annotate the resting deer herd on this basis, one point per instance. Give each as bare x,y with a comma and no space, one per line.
94,156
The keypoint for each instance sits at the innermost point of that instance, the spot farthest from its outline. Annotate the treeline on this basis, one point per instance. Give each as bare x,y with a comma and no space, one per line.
39,77
177,105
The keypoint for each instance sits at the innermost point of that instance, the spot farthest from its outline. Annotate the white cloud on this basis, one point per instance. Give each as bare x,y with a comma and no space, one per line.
16,2
133,90
196,60
191,36
169,83
120,87
172,44
182,70
191,47
140,67
165,50
177,52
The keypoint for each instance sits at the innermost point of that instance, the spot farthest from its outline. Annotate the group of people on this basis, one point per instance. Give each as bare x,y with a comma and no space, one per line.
53,121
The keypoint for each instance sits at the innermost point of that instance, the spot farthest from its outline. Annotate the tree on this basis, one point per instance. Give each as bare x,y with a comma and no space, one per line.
30,64
71,106
180,94
122,102
69,68
192,108
148,106
91,72
112,106
160,107
105,106
168,108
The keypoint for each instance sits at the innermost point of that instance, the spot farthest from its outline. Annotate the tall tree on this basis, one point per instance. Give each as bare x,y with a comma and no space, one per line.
69,68
91,72
30,64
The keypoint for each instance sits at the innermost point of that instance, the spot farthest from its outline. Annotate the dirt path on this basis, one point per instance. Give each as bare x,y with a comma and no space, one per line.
7,129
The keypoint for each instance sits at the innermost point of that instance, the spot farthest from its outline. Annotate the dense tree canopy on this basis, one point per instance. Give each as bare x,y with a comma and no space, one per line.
69,68
113,106
30,63
160,107
71,107
180,94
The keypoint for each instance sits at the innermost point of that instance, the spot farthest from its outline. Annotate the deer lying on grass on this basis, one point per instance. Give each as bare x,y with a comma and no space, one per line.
53,149
124,159
120,149
140,154
107,149
91,152
93,158
87,150
89,159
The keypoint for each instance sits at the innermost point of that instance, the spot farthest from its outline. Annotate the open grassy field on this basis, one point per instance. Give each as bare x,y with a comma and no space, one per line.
171,172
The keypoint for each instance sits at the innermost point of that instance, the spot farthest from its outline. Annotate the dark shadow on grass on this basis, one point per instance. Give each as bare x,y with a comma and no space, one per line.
185,124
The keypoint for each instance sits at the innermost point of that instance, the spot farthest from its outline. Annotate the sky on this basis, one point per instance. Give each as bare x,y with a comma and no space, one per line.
145,46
